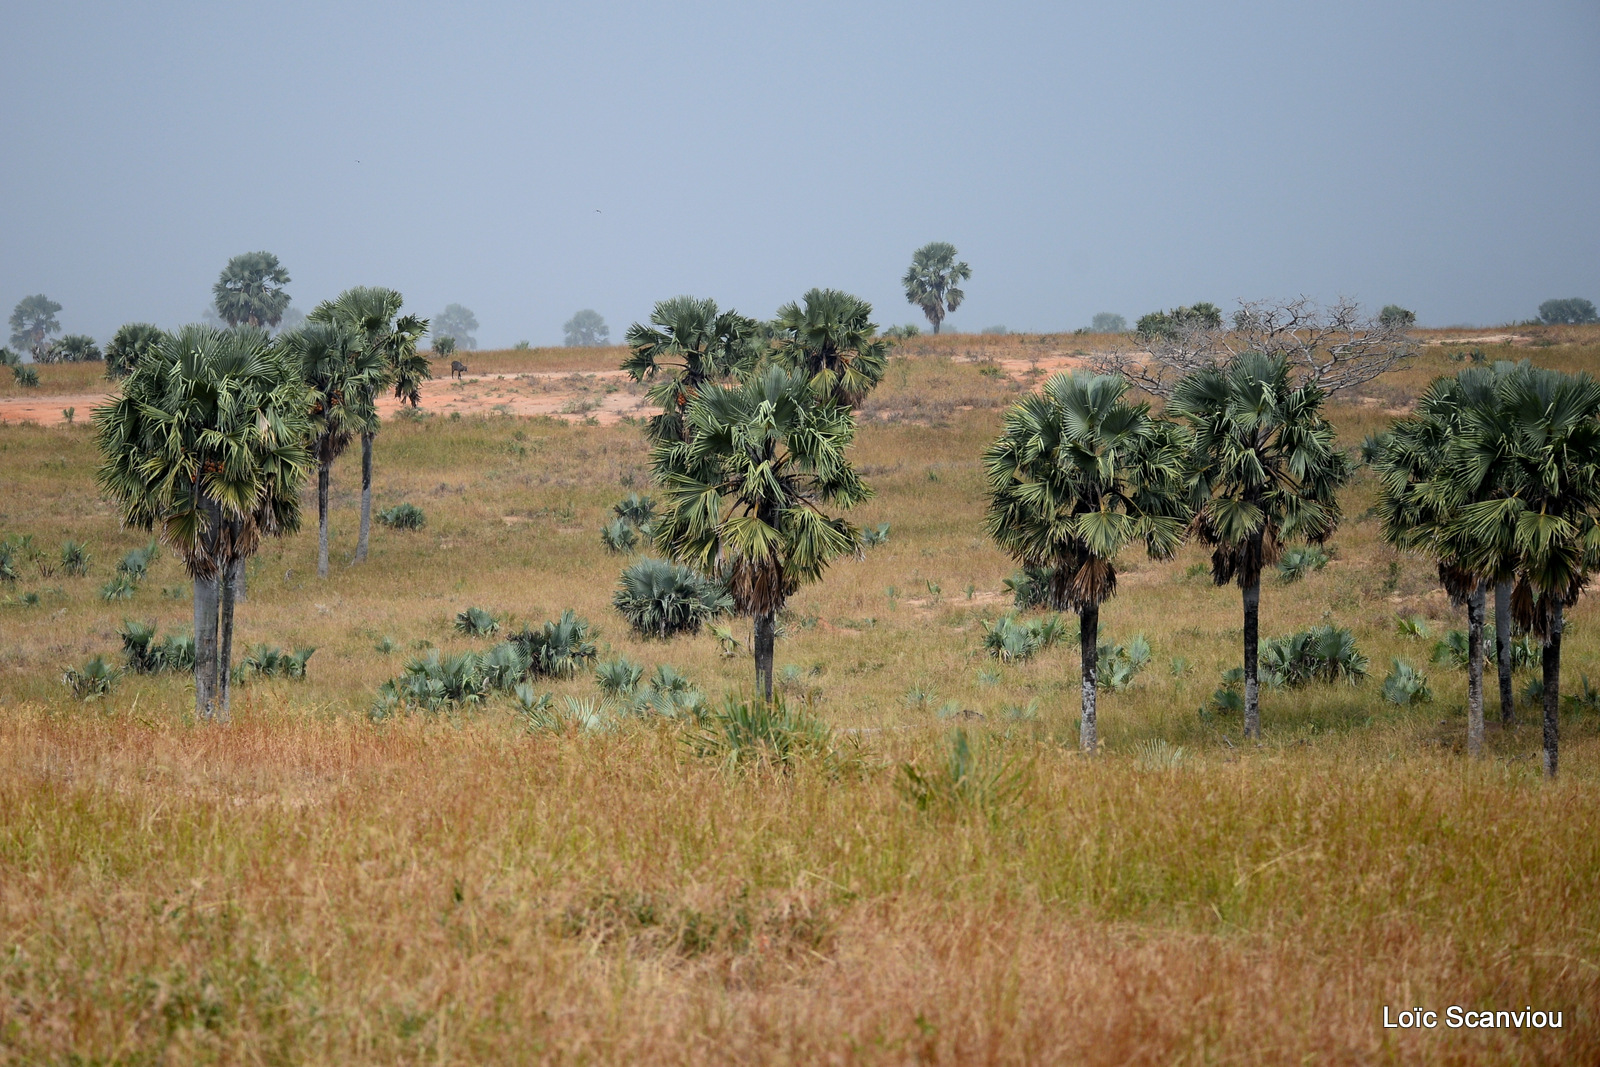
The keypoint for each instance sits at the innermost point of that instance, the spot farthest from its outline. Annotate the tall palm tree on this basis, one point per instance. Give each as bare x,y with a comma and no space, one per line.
250,290
687,344
342,376
1264,470
207,446
1078,473
833,340
33,320
932,280
1526,482
744,495
1417,500
372,311
131,343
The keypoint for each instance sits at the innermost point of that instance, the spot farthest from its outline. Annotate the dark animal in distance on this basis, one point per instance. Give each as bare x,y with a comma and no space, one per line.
457,368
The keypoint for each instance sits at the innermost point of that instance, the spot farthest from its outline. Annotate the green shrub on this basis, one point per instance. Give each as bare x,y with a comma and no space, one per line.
660,599
618,677
558,649
1118,666
1296,563
1029,588
1405,685
1011,641
1414,627
1323,653
619,537
872,536
403,517
431,684
8,562
136,564
476,622
139,649
120,587
95,678
270,661
74,559
669,695
637,511
967,781
755,734
26,376
504,666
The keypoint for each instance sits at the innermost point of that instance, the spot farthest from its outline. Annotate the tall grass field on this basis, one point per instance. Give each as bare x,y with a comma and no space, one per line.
950,881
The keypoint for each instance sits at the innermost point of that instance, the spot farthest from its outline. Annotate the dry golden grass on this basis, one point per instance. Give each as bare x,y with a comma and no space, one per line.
307,886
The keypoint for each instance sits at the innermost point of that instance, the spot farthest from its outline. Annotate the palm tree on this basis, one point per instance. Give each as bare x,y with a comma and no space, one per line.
744,494
931,282
250,291
207,446
1525,478
33,320
131,343
372,311
1077,474
1417,500
1264,470
687,344
342,375
834,341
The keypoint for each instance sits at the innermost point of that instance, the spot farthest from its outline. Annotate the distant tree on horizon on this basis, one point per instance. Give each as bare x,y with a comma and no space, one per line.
1395,315
131,343
33,320
1108,322
1168,324
250,290
1573,311
458,323
586,329
932,279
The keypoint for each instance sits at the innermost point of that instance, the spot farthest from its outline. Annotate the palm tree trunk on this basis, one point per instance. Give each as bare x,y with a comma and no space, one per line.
1089,653
366,497
239,582
324,474
1252,641
205,646
1475,604
1502,650
225,653
1552,692
764,640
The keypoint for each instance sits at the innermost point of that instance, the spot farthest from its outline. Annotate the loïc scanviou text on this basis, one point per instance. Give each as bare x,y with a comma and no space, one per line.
1457,1017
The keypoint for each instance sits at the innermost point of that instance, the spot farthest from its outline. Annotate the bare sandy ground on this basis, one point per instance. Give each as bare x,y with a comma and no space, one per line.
605,396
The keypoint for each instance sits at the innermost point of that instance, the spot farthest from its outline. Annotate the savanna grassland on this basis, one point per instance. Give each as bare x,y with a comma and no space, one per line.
310,886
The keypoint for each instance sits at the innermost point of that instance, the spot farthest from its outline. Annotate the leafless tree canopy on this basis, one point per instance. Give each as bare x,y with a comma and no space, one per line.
1334,345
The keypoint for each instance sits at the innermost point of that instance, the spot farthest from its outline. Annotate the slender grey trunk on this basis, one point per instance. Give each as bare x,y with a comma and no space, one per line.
766,628
239,582
225,653
1502,650
1552,692
1475,605
1252,641
366,498
1089,653
205,646
323,476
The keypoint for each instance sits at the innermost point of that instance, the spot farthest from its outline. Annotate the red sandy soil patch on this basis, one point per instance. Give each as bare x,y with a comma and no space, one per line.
559,394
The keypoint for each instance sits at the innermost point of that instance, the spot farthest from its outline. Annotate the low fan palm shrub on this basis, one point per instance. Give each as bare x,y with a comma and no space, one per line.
431,684
1296,563
1011,641
120,587
872,536
136,564
476,622
1120,665
661,599
74,559
1323,653
26,376
94,678
270,661
619,537
1405,685
558,649
1029,588
969,780
764,735
403,517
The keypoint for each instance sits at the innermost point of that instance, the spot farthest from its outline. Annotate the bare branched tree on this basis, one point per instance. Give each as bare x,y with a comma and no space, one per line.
1334,345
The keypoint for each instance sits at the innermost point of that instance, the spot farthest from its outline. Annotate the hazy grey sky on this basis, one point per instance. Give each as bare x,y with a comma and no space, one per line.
528,160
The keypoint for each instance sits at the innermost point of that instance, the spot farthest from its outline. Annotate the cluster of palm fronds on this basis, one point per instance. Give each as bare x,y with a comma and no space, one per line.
1296,563
132,570
94,678
270,661
1011,641
661,599
632,523
403,517
1325,653
1405,685
761,734
1454,649
1119,665
143,654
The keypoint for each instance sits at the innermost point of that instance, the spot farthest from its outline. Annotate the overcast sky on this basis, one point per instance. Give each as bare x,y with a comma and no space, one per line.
527,160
